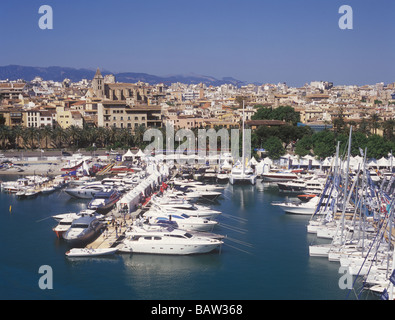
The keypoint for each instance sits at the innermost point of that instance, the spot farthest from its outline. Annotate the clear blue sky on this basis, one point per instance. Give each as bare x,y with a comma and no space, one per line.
293,41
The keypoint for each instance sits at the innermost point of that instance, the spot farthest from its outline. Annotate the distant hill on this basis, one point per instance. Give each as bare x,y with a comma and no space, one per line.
15,72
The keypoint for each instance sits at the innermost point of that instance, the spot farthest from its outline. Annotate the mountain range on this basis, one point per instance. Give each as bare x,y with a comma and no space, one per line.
28,73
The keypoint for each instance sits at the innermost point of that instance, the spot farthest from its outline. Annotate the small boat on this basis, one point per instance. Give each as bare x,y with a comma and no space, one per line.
27,193
87,252
48,190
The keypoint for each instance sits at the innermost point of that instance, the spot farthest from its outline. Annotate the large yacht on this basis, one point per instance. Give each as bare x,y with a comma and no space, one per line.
182,220
83,230
87,191
159,240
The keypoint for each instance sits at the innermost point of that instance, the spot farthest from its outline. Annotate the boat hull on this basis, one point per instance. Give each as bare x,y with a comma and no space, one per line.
86,252
170,248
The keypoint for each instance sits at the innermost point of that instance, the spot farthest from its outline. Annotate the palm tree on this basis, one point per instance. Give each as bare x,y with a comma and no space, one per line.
388,129
17,132
5,133
138,136
75,134
29,135
374,122
101,136
46,134
59,135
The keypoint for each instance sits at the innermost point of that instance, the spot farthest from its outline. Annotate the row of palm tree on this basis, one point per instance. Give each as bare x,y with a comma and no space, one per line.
73,137
368,126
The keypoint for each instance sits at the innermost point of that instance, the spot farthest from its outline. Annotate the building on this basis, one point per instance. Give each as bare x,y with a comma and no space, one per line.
120,115
129,92
66,117
11,90
13,116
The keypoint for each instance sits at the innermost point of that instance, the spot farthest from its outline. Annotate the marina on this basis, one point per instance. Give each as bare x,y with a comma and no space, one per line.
160,218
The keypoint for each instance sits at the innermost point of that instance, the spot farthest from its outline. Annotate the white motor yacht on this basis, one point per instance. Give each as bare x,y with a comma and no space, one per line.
182,220
63,226
159,240
193,210
86,191
74,215
307,208
277,176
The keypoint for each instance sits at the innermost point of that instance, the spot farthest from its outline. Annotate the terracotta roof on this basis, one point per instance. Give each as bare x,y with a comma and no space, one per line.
265,122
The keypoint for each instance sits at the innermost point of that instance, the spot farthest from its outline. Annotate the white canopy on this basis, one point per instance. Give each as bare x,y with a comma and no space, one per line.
128,154
383,162
140,154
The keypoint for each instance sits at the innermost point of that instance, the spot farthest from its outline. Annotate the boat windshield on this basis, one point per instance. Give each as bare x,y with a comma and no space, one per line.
184,215
188,235
80,225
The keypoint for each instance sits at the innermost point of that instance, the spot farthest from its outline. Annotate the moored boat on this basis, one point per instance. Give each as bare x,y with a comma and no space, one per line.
83,230
87,252
166,241
103,202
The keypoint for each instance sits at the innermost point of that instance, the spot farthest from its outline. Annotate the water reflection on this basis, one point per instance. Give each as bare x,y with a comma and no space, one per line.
166,276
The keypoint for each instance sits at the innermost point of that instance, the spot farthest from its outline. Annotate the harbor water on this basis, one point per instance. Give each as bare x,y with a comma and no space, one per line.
265,256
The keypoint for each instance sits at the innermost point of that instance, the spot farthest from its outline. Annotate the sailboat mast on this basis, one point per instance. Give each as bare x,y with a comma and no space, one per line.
242,151
346,184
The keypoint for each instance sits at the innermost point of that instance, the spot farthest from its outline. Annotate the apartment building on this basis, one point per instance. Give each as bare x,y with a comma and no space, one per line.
120,115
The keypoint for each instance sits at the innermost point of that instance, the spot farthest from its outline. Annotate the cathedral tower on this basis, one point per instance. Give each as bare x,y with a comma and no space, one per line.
98,84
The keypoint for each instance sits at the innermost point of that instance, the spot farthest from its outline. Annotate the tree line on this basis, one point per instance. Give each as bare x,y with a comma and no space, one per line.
304,141
73,137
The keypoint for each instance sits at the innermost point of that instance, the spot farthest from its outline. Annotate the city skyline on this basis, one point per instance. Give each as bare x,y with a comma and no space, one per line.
252,41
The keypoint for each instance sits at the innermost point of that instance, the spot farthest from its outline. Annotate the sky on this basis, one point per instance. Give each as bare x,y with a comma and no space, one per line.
265,41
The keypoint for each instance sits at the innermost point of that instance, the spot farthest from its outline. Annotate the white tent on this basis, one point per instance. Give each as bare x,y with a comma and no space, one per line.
140,154
127,155
383,162
327,162
372,163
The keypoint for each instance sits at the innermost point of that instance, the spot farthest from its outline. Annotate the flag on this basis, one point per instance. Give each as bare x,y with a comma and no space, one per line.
392,278
384,295
361,152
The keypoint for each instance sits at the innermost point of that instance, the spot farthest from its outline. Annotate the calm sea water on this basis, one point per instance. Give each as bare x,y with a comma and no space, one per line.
264,257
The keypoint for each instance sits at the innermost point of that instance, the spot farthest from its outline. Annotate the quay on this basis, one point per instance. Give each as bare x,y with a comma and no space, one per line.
115,229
